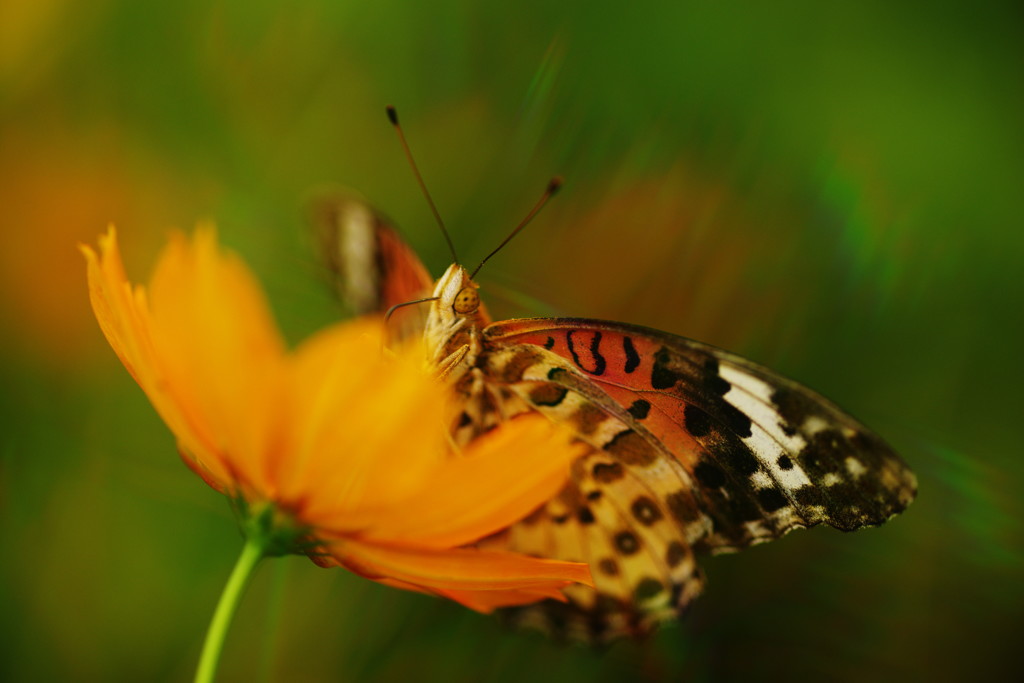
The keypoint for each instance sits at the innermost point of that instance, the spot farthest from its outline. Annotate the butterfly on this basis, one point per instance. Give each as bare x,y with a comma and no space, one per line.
690,449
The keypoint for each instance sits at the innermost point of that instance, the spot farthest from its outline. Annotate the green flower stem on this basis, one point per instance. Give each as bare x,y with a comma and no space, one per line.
254,550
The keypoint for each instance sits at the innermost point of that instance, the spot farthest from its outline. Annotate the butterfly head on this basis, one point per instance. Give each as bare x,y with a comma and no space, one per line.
456,316
456,293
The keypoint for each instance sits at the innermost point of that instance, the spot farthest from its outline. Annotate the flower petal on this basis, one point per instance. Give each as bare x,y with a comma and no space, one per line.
482,580
504,476
367,427
220,351
488,601
203,347
124,318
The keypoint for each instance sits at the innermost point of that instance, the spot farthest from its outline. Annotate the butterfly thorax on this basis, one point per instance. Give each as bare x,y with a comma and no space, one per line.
452,333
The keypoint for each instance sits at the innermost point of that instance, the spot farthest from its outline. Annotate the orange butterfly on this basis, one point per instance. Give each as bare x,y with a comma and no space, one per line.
692,449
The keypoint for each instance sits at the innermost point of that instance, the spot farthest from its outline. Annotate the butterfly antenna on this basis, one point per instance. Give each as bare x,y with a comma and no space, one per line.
393,118
552,188
387,316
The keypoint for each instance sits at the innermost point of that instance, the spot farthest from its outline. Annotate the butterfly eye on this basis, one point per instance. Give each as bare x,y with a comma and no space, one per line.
467,301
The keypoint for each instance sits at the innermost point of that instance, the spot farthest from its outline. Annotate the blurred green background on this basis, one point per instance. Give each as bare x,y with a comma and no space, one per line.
833,189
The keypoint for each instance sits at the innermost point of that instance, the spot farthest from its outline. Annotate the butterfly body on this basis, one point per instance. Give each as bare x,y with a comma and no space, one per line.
690,449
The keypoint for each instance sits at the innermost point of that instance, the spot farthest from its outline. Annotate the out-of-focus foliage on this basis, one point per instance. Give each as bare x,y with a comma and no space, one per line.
830,188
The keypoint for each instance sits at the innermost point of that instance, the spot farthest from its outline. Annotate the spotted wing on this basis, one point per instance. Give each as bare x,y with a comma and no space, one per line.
766,454
372,267
628,510
694,449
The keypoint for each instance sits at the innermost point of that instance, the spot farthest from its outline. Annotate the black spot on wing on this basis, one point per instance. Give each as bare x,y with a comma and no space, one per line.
697,422
607,472
683,506
662,375
585,515
647,588
645,510
598,361
735,419
701,421
550,343
794,406
549,395
731,511
709,475
771,499
676,553
632,357
730,451
810,496
639,408
626,542
630,448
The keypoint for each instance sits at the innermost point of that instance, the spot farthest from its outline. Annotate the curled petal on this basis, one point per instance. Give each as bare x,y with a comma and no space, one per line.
482,580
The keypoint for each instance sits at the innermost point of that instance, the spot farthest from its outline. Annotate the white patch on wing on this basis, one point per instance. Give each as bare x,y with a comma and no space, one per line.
752,397
831,479
855,467
814,424
786,516
357,248
605,432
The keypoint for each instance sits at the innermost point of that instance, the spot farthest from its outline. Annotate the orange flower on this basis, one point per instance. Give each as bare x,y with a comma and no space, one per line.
342,442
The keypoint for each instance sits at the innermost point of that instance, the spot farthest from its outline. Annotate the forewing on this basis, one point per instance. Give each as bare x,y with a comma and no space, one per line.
764,453
372,267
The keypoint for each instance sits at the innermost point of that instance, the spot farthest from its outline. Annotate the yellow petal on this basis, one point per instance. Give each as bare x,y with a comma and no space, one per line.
114,303
202,346
220,350
482,580
124,318
504,476
367,428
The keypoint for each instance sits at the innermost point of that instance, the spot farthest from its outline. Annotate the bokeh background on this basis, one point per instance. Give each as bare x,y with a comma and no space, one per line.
833,189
